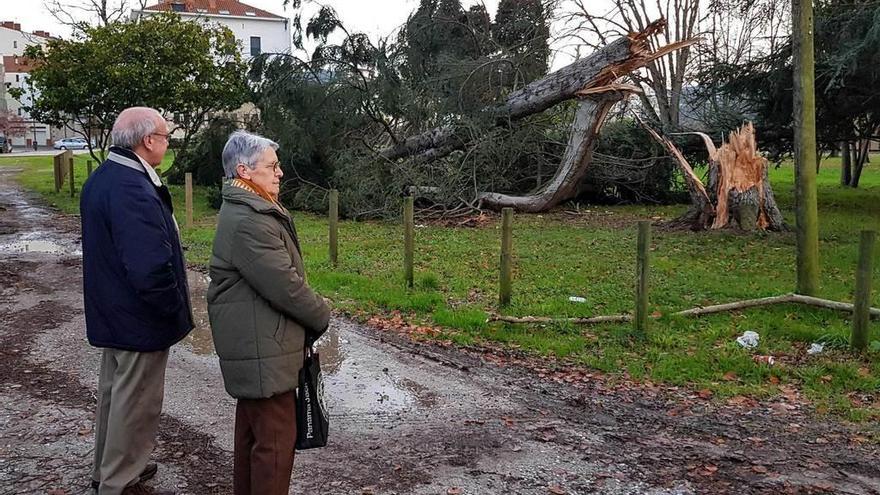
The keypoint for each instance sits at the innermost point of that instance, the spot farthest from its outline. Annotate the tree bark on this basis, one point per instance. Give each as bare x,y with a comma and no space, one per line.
582,140
702,211
845,165
861,156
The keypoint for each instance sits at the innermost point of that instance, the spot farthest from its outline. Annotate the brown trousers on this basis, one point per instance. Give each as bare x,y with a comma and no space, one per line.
265,436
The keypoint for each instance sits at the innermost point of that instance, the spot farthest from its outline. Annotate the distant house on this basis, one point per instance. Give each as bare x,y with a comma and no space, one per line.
256,30
15,72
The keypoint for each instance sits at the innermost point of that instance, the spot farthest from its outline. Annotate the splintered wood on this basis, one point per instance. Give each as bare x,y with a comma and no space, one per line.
740,169
739,188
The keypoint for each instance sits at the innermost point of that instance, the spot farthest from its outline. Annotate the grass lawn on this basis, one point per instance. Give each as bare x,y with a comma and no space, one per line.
593,255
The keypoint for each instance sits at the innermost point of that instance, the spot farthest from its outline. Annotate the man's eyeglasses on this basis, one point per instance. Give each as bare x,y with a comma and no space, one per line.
160,134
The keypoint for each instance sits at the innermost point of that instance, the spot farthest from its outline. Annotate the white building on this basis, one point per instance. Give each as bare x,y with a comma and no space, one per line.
256,30
15,70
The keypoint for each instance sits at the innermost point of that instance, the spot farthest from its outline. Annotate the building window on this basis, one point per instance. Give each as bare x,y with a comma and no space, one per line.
17,78
19,111
14,44
255,46
178,7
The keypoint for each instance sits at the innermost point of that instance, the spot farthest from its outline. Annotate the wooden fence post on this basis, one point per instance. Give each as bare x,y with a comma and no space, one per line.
88,168
188,180
57,163
506,278
333,213
861,321
70,173
408,239
640,321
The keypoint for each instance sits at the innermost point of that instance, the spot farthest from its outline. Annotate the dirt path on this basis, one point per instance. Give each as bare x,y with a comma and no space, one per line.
407,418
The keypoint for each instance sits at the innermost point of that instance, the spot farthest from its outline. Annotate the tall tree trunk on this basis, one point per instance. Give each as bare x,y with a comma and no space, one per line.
806,210
845,165
859,163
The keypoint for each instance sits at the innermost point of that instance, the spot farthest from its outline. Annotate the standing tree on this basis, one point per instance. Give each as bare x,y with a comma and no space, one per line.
662,80
86,13
847,41
185,69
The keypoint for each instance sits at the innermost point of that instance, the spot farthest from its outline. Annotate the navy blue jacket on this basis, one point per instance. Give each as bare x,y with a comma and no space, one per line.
134,274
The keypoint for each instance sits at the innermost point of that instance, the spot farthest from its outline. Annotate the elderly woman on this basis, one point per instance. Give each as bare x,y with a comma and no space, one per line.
262,313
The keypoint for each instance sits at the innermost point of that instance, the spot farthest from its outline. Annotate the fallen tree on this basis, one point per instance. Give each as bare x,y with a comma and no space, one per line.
874,313
593,80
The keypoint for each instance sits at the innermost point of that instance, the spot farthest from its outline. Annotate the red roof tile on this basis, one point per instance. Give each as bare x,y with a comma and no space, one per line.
214,7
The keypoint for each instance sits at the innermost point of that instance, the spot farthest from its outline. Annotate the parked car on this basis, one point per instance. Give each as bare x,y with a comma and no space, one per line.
71,144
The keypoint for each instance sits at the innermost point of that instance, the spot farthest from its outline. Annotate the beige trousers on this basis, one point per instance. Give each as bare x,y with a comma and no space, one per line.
131,386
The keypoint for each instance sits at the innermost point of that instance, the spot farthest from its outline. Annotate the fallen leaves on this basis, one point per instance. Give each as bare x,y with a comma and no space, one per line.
556,490
708,470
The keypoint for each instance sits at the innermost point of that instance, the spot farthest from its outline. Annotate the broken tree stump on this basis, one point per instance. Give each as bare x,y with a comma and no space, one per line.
739,190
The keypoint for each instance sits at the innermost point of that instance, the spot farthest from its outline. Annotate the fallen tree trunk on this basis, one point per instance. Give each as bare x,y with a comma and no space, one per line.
592,79
601,68
588,119
698,311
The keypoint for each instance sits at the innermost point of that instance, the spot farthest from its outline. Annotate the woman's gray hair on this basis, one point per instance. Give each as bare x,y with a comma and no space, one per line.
133,125
244,147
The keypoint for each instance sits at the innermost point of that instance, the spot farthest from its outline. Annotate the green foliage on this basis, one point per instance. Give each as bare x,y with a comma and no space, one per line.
847,40
204,160
644,174
521,28
185,69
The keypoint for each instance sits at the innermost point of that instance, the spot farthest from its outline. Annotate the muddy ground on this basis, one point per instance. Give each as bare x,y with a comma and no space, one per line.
407,417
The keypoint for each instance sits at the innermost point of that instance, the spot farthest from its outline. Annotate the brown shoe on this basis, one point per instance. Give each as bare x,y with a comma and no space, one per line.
141,489
145,475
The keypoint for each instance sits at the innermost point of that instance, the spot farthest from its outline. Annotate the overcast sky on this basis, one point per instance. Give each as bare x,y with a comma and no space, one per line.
376,18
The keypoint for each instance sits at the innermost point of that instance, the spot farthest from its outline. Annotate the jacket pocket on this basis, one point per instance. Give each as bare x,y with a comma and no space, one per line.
280,329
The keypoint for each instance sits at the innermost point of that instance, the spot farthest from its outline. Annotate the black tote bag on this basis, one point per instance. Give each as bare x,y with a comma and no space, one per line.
312,421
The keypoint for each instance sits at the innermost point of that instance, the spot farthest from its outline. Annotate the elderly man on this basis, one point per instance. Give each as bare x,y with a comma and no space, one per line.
262,314
136,297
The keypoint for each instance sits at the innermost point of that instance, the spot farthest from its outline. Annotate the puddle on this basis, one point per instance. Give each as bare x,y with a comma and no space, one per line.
353,371
199,340
48,247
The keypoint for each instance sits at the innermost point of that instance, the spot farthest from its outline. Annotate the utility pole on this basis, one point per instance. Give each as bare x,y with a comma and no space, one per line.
806,211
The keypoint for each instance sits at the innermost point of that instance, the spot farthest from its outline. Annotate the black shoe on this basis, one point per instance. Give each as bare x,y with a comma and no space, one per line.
146,474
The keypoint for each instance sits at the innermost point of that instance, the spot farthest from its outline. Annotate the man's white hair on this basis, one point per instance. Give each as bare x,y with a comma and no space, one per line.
133,125
245,148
